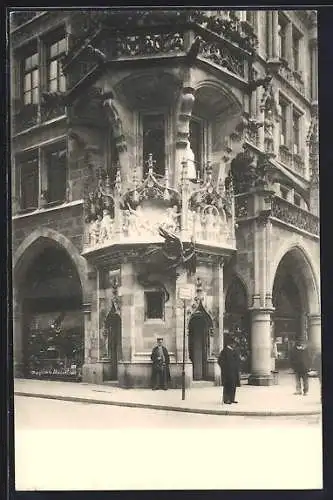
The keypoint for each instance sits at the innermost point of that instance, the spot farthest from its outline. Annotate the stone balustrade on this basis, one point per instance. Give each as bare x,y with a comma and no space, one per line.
294,215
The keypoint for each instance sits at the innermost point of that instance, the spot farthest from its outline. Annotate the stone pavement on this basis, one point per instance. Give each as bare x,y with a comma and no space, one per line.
276,400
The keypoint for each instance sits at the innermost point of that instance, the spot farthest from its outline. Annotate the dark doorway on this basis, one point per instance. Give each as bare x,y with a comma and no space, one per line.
198,345
237,321
53,326
287,317
113,326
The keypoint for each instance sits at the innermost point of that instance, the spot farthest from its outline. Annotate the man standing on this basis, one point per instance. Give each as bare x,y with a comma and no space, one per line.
161,370
300,365
229,363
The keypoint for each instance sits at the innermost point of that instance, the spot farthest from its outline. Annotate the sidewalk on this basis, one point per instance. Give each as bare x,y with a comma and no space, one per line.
276,400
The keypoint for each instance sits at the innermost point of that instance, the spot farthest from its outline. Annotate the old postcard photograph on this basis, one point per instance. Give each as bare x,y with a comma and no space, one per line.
165,248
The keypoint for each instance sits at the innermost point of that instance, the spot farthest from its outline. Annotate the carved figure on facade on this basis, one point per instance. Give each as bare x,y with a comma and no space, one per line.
171,222
106,227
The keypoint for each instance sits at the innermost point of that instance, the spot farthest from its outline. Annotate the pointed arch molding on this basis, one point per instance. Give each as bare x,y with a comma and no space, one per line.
310,273
26,252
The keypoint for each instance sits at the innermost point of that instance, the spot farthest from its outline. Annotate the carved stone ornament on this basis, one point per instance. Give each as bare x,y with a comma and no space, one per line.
151,189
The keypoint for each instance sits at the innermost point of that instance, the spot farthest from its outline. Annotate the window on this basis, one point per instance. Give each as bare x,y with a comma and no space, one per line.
56,81
251,18
296,132
297,200
29,182
284,193
197,144
56,167
296,38
154,305
153,131
283,122
282,37
30,82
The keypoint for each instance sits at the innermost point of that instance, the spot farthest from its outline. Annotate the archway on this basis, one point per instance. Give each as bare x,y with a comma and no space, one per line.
114,346
291,303
199,328
237,321
51,321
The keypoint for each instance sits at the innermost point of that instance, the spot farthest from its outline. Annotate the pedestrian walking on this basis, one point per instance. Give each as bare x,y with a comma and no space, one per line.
229,362
160,369
317,365
300,363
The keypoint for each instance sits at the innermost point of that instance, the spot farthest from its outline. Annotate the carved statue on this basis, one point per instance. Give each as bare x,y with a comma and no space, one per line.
197,223
212,223
106,227
190,158
171,222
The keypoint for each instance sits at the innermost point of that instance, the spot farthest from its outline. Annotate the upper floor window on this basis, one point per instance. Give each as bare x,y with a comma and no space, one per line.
56,81
284,193
296,41
251,17
197,142
283,122
282,36
30,80
29,181
56,169
153,134
297,200
296,132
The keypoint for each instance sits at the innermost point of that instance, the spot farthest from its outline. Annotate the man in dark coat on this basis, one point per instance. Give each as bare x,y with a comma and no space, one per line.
300,363
229,363
161,371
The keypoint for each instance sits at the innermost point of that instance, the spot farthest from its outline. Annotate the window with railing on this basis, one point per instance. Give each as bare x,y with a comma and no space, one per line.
296,132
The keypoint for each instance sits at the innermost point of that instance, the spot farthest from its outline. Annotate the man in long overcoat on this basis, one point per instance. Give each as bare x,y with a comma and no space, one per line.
160,369
300,363
229,363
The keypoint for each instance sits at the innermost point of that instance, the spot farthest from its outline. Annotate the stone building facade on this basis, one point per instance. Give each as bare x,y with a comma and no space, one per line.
154,151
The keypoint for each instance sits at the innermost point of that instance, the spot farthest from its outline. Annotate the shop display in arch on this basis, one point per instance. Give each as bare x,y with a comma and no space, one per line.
55,347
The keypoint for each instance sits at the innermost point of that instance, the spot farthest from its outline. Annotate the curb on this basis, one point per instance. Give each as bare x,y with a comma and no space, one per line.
282,413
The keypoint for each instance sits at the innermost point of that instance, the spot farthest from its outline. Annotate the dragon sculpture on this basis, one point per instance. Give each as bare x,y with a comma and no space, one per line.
166,259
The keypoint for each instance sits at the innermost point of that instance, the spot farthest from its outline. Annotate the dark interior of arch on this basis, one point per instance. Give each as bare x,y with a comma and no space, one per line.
236,300
52,276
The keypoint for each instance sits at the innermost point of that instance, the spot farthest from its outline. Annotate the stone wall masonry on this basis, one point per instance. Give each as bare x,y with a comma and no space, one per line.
67,221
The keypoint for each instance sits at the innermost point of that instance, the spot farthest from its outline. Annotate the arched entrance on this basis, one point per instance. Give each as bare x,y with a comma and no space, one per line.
52,326
113,332
199,328
237,321
291,308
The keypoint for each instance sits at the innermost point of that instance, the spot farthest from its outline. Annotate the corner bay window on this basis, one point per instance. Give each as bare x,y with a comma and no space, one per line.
153,142
154,305
56,165
29,182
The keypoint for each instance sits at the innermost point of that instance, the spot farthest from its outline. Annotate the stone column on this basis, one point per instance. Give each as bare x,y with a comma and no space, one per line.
261,347
315,332
126,374
179,312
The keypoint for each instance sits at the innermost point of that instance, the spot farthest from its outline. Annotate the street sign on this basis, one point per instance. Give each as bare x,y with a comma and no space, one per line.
186,292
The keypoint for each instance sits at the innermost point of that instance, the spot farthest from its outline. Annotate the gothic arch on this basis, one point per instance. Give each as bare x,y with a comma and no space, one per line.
309,276
222,89
39,239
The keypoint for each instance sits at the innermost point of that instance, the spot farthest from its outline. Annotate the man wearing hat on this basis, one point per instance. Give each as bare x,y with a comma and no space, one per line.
161,370
229,362
300,364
